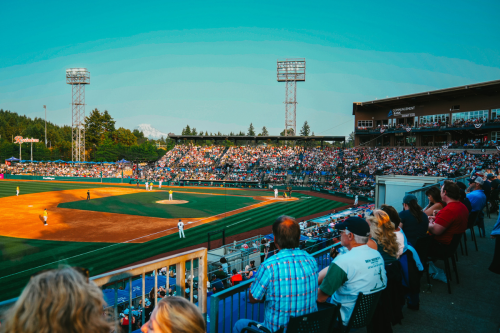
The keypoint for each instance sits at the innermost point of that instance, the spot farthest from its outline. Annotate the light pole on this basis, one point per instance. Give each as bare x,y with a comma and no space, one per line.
45,107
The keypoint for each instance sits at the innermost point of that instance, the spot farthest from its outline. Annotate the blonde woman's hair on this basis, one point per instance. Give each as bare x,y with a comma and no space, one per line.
58,301
382,230
178,315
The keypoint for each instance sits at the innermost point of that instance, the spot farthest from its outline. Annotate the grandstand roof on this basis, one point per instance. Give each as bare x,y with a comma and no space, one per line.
256,138
483,88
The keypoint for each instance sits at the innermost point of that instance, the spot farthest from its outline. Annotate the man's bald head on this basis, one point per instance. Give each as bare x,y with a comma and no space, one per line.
286,232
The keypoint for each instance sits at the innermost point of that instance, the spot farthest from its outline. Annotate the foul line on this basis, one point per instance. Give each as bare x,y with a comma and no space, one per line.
227,226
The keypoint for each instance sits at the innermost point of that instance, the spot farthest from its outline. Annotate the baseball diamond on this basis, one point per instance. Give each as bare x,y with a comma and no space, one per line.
121,224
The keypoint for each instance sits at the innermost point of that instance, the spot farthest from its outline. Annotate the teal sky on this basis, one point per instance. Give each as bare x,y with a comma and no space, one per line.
212,65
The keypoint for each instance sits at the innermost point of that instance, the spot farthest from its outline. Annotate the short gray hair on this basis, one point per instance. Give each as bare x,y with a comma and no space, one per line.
358,239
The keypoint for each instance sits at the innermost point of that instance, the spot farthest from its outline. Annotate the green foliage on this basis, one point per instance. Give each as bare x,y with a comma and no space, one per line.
97,125
306,129
251,130
290,132
264,132
186,131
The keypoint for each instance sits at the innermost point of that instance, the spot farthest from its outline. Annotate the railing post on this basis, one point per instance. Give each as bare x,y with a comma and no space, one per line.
144,298
181,278
130,314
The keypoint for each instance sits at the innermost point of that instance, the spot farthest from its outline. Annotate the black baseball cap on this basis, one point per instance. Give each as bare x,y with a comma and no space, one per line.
356,225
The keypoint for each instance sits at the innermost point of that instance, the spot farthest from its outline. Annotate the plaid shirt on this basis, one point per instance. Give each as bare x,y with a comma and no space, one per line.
289,282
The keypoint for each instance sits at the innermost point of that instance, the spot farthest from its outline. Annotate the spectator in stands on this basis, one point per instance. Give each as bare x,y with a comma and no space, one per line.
263,250
361,269
175,314
225,266
435,201
450,220
125,320
58,301
236,278
287,282
413,219
383,236
463,196
392,299
395,219
477,199
216,284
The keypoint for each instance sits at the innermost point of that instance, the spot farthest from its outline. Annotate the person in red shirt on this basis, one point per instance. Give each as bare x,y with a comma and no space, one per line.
236,278
450,220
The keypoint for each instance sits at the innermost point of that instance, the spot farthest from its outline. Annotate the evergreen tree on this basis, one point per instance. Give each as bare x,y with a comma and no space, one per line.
306,130
264,132
186,131
251,130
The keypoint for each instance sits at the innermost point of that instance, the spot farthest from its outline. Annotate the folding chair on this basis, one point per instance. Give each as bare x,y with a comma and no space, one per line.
362,313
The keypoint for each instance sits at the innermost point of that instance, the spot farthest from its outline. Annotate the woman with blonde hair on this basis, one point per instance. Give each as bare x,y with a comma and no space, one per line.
175,315
383,236
58,301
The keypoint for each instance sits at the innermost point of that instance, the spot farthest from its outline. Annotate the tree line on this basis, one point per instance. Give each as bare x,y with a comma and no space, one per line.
103,141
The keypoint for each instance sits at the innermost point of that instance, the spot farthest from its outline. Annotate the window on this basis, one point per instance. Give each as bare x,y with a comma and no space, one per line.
365,123
495,135
443,118
469,115
495,114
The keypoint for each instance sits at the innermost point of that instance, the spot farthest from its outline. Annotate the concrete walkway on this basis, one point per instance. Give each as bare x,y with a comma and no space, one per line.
473,306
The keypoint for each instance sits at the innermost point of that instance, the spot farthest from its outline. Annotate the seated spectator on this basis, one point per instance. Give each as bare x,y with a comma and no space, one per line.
435,201
216,284
400,236
225,266
58,301
414,221
175,314
383,236
287,282
361,269
221,275
388,311
463,196
477,199
449,221
236,278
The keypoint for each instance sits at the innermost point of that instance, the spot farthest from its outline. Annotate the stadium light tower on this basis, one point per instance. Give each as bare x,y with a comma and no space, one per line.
291,71
78,78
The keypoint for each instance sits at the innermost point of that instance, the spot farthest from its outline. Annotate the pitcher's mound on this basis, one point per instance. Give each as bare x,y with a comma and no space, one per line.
172,202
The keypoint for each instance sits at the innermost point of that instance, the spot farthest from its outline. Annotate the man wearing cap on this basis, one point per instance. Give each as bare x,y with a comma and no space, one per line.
361,269
477,199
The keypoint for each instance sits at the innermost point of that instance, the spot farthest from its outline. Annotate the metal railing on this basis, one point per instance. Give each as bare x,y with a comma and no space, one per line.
422,199
231,304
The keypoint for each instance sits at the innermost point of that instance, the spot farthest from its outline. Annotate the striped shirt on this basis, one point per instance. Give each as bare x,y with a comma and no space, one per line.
289,283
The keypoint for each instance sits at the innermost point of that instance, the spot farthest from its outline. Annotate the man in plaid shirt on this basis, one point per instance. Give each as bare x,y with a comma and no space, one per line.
287,282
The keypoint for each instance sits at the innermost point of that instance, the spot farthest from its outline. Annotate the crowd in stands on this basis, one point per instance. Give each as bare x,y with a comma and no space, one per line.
350,171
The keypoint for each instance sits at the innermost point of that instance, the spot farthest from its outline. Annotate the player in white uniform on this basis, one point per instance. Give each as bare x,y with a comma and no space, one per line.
147,185
17,191
356,200
159,185
170,195
275,193
151,186
180,225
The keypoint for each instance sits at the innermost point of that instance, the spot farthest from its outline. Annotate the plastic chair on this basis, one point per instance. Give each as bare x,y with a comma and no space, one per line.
362,313
321,321
422,247
450,254
471,222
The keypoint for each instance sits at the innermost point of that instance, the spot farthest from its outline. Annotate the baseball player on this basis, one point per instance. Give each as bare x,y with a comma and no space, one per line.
356,200
88,195
147,185
159,184
180,225
45,217
17,191
275,193
151,186
170,193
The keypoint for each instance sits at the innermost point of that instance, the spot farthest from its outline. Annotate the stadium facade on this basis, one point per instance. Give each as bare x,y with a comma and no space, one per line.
457,117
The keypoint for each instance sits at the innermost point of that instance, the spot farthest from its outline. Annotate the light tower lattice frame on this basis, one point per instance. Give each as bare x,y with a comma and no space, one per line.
291,71
78,78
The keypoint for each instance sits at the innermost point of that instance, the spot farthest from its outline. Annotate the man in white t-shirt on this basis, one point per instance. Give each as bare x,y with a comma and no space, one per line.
180,225
361,269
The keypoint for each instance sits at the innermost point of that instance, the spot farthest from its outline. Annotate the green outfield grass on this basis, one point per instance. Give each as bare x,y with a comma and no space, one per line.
20,258
145,204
